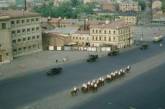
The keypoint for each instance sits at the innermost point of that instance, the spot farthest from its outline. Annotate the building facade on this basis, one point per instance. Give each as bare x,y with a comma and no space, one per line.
116,34
129,17
5,41
81,38
24,30
129,6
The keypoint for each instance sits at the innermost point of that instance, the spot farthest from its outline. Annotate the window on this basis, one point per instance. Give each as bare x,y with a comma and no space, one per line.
32,20
32,29
37,19
27,20
23,21
37,28
19,49
100,31
4,26
28,30
12,22
38,37
19,40
24,48
104,31
29,38
13,32
18,31
33,37
18,21
14,50
23,30
14,41
24,39
104,38
99,38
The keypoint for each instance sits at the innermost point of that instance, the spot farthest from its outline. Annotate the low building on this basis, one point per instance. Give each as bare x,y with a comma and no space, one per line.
24,30
115,34
129,6
81,38
55,41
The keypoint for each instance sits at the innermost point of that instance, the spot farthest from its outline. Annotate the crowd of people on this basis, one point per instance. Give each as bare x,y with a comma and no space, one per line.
94,85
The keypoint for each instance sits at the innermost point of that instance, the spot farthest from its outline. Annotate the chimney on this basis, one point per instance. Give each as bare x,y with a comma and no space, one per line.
85,24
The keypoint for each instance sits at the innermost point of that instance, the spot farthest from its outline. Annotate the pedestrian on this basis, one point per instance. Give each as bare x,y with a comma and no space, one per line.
161,44
56,60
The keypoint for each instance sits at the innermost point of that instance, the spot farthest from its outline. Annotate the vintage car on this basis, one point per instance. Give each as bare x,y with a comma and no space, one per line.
54,71
113,53
144,46
92,58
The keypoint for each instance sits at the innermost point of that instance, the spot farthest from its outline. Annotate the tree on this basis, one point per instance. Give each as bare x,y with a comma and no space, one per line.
142,3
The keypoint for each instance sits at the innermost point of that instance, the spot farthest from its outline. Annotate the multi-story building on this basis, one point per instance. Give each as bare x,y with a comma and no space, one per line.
24,30
115,34
129,6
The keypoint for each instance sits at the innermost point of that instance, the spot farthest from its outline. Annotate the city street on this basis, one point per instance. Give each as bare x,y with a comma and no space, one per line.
37,91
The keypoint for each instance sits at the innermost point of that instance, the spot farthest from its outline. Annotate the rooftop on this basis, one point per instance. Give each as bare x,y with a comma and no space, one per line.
112,25
16,14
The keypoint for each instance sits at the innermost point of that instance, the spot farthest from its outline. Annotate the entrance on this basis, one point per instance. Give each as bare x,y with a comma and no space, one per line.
0,58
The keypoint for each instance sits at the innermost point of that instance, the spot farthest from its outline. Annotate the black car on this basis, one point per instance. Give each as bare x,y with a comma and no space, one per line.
54,71
144,46
92,58
113,53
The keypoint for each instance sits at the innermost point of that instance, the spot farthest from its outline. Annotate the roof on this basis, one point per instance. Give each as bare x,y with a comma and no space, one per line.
67,30
82,32
17,14
112,25
127,14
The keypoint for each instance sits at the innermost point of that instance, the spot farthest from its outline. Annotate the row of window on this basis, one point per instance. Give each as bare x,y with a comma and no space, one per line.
80,38
23,21
34,46
26,39
25,30
111,32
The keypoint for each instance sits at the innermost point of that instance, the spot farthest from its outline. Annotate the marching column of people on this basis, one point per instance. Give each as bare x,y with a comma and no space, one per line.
94,85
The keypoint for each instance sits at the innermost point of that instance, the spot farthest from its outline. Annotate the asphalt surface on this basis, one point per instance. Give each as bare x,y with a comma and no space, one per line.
16,92
146,91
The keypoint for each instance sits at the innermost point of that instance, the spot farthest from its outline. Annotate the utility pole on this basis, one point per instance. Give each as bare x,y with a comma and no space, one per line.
25,8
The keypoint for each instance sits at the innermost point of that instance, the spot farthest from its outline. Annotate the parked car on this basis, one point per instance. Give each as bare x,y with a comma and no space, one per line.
54,71
144,46
113,53
92,58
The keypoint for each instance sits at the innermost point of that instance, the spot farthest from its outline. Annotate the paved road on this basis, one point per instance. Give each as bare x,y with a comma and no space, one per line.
146,91
21,91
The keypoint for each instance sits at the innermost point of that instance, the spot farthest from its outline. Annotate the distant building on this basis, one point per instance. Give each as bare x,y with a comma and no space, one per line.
156,4
129,6
81,38
157,14
89,1
24,31
4,4
115,34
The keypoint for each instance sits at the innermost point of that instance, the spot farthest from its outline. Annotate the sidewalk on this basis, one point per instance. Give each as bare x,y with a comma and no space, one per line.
44,60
